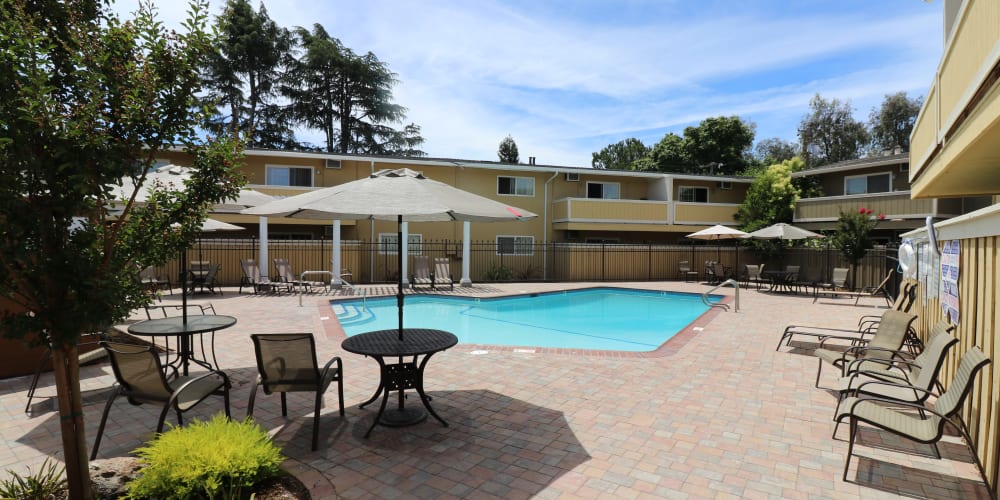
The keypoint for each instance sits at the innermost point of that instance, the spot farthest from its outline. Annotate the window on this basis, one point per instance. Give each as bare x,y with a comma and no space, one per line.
515,245
387,244
516,186
692,194
874,183
289,176
604,190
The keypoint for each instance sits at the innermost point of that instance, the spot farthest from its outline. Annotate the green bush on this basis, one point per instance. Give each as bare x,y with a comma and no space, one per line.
46,483
220,458
499,273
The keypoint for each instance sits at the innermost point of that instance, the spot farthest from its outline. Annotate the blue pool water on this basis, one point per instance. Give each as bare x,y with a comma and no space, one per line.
615,319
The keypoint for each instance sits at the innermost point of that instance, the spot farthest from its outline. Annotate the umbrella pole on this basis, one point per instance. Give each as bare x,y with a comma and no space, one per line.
399,272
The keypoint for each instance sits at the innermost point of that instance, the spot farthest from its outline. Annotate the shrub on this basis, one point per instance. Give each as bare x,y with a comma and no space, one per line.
48,482
499,273
216,459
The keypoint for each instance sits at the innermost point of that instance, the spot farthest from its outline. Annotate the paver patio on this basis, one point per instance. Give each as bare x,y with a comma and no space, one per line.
716,413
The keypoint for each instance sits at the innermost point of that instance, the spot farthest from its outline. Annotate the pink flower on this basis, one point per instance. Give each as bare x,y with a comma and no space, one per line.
861,210
881,216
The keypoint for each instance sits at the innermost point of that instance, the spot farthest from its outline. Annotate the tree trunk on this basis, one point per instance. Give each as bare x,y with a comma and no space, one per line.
66,368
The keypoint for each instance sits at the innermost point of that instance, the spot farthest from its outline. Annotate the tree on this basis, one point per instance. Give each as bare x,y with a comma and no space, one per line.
770,199
348,97
775,150
830,134
852,235
719,145
668,155
508,151
621,155
892,122
86,100
242,75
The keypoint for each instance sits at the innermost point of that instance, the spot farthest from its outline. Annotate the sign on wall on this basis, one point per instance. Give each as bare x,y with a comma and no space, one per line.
949,279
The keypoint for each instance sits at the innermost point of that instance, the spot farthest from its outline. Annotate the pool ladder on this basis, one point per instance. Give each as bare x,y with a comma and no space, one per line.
735,284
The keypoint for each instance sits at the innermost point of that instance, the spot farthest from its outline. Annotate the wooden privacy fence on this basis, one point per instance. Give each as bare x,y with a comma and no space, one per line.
371,262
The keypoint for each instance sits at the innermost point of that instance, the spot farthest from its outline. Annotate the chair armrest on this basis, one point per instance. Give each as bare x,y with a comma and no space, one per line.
177,392
884,377
858,389
887,362
335,359
823,339
917,406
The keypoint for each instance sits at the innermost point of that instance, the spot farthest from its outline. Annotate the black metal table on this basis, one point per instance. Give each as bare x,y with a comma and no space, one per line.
401,375
781,281
175,326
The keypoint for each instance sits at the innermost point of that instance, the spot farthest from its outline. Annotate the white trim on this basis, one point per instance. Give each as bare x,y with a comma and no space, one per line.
603,183
817,199
268,167
408,247
682,186
982,223
854,165
532,179
699,204
515,236
866,176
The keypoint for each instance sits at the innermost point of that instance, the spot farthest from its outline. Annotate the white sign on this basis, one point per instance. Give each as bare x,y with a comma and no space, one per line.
949,279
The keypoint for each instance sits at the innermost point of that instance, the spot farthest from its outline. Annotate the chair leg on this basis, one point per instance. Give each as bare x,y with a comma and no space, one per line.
319,403
340,392
850,445
253,397
34,380
104,420
819,370
284,406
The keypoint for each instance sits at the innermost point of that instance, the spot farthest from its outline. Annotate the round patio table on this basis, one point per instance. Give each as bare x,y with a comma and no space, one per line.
175,326
401,375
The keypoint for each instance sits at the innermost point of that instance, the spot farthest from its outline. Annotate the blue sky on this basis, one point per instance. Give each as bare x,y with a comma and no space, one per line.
566,78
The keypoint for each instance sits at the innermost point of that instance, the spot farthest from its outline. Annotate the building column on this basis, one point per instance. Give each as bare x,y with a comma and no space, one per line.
466,254
335,271
404,247
262,261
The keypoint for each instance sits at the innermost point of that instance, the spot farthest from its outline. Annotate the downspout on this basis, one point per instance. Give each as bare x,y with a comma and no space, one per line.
545,227
371,236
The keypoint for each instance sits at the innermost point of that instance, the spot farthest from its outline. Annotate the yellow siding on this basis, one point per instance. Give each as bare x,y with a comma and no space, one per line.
891,205
704,213
616,210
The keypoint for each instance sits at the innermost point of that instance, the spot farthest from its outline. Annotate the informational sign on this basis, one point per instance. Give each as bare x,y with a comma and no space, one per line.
949,279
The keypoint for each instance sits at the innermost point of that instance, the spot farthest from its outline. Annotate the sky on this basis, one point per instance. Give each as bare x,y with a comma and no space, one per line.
567,78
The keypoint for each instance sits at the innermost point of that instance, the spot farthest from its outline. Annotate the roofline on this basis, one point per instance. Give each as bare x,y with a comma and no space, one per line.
855,165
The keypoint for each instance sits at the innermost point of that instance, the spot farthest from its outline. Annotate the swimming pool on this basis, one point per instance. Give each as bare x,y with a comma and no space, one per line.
604,318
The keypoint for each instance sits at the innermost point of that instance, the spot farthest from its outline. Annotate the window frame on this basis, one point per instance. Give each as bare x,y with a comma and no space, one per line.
271,167
681,188
414,247
867,178
515,178
515,237
617,185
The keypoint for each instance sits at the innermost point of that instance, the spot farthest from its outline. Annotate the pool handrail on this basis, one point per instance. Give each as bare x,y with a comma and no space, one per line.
735,284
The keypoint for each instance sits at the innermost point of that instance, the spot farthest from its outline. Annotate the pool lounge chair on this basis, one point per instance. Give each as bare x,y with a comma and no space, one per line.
252,278
421,272
927,425
879,291
684,271
866,324
442,273
836,285
287,276
884,343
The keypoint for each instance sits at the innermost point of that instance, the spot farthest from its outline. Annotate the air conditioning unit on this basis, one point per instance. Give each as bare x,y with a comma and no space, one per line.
330,163
572,177
725,185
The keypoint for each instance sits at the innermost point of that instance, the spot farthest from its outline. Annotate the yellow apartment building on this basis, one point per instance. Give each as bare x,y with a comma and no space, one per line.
955,152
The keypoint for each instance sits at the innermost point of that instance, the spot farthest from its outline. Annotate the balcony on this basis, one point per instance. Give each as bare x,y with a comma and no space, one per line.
895,205
637,215
953,147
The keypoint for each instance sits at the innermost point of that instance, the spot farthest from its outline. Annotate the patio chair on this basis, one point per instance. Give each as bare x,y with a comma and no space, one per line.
286,275
140,378
153,283
878,291
836,285
908,381
884,343
421,272
720,273
684,271
927,426
866,324
253,279
751,274
710,271
793,277
286,362
442,273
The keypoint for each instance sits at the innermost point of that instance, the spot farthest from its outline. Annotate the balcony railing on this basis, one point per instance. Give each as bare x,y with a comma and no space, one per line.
894,205
611,211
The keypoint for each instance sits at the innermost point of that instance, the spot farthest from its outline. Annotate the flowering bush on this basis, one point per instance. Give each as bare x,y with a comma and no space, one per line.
852,234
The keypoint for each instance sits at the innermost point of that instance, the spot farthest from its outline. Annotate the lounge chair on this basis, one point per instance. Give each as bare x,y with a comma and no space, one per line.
927,426
152,282
884,343
442,273
140,378
684,271
909,381
286,275
878,291
866,324
421,272
286,362
253,279
836,285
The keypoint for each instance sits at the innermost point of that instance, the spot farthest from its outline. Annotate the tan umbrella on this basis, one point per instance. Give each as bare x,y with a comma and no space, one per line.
400,195
719,232
782,231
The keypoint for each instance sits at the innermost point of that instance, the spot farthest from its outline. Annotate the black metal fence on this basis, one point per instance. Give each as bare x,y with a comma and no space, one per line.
372,262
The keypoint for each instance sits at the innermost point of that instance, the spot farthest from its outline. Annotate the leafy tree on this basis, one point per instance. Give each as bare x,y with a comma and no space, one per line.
621,155
770,199
829,133
892,122
85,100
348,97
668,155
774,150
241,76
721,144
508,151
852,235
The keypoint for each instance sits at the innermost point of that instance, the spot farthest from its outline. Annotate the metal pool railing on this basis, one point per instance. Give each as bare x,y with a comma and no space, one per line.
731,282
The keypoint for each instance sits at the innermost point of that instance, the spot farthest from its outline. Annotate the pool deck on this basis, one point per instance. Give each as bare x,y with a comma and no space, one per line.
714,413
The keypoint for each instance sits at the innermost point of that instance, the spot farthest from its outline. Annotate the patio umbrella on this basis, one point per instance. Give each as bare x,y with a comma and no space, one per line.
400,195
718,232
782,231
